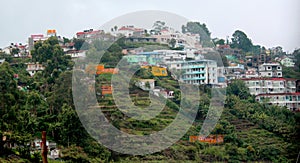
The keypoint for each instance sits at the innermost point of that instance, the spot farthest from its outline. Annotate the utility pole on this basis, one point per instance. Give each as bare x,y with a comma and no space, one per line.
44,147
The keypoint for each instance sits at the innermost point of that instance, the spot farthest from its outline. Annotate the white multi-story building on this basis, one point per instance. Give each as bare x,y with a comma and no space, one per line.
270,85
196,71
275,91
287,62
289,100
270,70
185,40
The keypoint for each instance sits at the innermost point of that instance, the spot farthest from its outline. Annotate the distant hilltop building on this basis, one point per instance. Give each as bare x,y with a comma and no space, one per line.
40,37
129,31
91,33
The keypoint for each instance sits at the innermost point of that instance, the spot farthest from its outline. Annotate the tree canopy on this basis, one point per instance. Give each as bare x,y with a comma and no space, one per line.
241,41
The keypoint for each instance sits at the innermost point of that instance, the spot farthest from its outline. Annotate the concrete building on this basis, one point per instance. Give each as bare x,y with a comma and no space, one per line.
251,73
76,53
35,38
270,70
181,39
287,62
196,71
270,85
130,31
32,68
91,33
289,100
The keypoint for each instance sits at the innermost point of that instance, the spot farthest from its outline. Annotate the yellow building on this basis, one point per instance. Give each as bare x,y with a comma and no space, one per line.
157,71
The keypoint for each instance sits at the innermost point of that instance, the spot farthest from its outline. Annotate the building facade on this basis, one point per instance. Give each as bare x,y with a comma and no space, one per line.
289,100
270,70
32,68
270,85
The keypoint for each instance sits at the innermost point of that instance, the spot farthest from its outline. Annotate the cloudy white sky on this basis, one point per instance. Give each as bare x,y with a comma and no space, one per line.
267,22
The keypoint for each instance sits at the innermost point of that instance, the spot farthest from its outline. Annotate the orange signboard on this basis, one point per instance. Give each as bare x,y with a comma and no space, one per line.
211,139
99,69
51,31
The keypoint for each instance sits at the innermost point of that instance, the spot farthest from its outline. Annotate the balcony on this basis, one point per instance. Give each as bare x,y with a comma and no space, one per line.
192,66
194,72
194,78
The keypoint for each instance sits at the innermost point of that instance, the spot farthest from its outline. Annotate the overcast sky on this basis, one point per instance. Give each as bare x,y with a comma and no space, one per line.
266,22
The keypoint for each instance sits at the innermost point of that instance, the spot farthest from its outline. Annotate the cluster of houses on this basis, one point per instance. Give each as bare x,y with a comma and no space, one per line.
262,74
270,87
190,59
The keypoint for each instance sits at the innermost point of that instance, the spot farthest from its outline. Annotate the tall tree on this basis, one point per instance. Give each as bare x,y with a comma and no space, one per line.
15,123
241,41
158,26
201,29
238,88
296,54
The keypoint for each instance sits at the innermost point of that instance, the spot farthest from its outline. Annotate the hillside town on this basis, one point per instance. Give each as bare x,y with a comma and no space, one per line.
262,92
262,72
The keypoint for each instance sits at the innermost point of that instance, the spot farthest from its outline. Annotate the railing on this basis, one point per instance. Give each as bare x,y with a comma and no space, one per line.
194,72
193,66
194,78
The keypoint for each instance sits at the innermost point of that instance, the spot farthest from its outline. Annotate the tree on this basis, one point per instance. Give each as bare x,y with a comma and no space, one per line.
15,122
296,53
225,61
219,42
15,50
241,41
238,88
158,26
201,29
66,40
50,54
172,42
78,43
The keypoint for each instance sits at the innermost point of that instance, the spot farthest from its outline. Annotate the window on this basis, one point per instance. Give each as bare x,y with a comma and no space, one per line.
269,68
269,74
